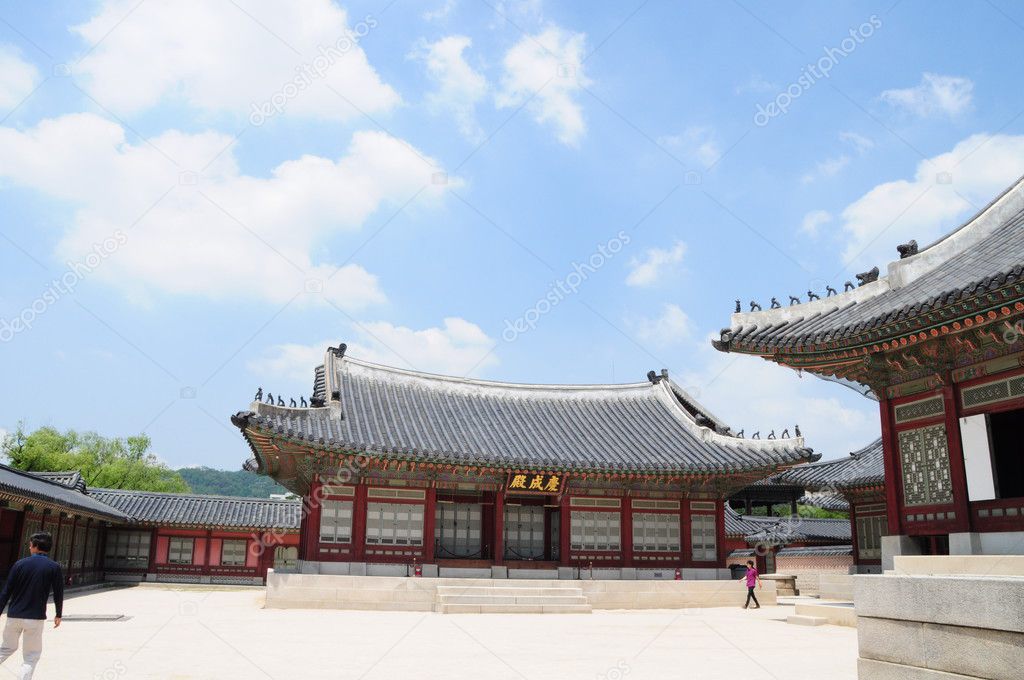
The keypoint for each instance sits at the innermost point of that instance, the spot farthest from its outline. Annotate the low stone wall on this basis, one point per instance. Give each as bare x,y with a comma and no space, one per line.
981,565
835,587
919,627
810,569
319,591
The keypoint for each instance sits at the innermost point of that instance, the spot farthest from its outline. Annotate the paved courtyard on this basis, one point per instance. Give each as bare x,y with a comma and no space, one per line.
190,632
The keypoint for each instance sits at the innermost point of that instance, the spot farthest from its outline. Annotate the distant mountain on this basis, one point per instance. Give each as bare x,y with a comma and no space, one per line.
229,482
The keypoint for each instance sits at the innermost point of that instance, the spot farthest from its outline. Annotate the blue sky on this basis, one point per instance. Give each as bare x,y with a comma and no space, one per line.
524,191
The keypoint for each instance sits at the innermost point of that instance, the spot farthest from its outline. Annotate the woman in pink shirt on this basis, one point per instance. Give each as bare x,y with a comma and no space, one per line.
753,579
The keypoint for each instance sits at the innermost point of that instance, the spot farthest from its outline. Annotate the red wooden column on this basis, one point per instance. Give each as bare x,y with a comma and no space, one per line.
626,530
209,548
720,533
564,531
893,477
429,519
957,467
685,537
69,577
359,524
498,534
310,527
853,533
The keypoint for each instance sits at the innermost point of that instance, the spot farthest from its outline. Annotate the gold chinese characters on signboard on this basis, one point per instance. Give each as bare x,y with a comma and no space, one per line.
534,482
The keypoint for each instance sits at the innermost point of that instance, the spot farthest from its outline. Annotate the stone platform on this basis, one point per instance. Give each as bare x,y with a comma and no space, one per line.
941,625
389,593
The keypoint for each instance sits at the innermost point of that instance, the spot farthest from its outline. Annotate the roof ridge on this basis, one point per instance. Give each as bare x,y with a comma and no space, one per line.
442,378
193,495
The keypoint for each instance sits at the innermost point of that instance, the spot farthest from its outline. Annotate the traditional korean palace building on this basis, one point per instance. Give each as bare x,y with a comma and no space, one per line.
938,341
473,477
115,535
859,480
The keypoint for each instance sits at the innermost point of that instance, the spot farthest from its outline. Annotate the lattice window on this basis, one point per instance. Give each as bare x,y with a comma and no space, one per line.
335,521
925,408
232,553
127,549
394,524
32,526
457,529
869,536
179,550
703,538
655,532
924,454
594,530
524,532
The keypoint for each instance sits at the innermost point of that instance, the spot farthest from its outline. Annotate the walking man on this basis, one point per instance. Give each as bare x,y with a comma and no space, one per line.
753,579
27,589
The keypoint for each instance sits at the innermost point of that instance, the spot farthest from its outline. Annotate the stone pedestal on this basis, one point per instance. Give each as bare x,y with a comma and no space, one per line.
897,545
956,626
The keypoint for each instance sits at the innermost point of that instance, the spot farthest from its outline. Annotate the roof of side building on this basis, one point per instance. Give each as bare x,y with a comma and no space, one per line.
862,468
37,488
194,510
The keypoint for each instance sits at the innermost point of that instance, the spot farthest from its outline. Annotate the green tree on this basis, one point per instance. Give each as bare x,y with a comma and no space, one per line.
104,462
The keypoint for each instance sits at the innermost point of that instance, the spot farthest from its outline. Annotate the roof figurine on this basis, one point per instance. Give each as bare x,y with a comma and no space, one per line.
968,280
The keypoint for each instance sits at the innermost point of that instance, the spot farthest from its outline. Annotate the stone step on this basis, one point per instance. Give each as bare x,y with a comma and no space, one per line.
512,599
803,620
514,608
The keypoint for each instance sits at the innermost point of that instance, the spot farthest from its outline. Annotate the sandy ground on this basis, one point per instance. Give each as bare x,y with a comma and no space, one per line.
191,632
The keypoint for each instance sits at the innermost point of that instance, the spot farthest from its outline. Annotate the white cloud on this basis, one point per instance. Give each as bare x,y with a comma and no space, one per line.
546,71
646,271
944,190
458,348
698,143
813,220
293,362
229,56
756,395
459,86
756,84
830,167
519,10
17,78
221,233
441,12
668,328
860,143
935,95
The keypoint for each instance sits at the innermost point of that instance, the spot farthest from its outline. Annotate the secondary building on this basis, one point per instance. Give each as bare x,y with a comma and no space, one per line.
474,477
939,341
117,535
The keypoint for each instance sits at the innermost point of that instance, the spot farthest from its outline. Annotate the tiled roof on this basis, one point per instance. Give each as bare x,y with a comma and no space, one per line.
409,415
36,489
816,551
793,529
71,479
860,469
744,525
826,501
984,254
151,507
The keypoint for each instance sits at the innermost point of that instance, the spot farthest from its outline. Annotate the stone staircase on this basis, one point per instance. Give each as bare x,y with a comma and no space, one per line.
511,599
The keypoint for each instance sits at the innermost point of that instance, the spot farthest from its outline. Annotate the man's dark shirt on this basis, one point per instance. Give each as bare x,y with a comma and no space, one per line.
28,588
